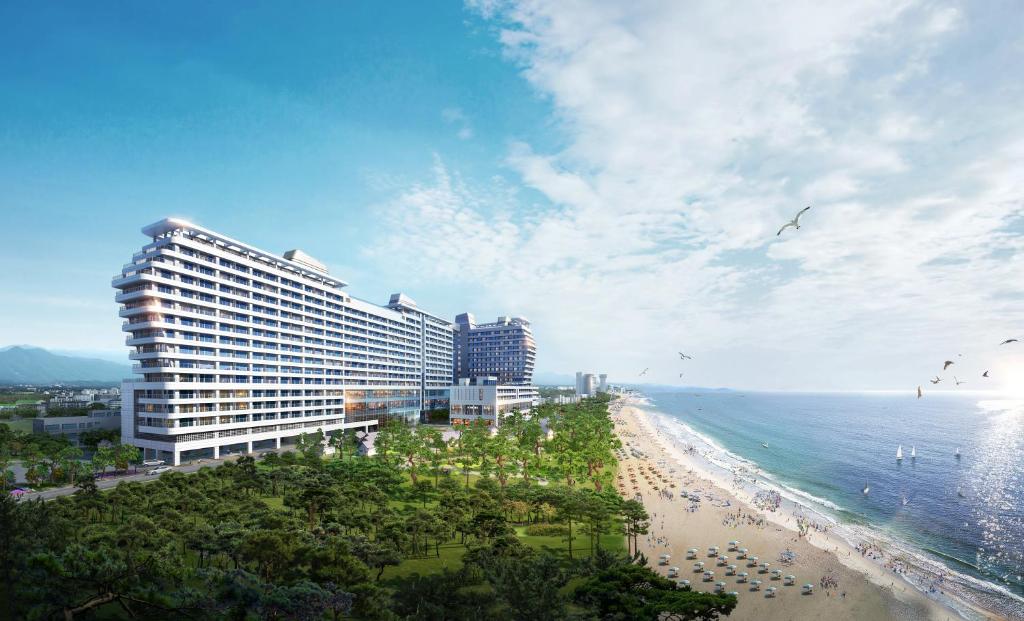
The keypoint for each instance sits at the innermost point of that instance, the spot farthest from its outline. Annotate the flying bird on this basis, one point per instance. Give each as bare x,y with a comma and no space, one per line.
918,392
683,356
680,375
936,380
644,372
946,364
958,382
795,222
985,374
1008,341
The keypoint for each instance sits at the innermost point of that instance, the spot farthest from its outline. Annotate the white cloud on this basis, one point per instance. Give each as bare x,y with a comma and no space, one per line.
455,116
693,130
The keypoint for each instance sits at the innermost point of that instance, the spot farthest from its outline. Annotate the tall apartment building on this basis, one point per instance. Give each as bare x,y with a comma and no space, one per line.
237,349
504,349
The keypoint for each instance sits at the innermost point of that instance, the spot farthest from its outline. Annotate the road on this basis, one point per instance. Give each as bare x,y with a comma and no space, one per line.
111,482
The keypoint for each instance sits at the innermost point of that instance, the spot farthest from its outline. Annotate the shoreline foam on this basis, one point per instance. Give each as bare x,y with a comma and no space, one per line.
742,478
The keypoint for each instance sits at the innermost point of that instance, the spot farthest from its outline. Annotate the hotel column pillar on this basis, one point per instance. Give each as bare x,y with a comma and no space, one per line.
277,442
176,459
249,446
216,452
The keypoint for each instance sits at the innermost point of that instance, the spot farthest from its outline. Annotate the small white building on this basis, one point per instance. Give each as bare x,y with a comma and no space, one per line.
483,398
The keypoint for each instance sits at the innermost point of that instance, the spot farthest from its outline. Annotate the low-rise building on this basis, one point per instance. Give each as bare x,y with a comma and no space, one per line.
483,398
72,426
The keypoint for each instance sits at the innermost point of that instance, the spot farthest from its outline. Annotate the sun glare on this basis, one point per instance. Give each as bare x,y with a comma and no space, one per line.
1010,377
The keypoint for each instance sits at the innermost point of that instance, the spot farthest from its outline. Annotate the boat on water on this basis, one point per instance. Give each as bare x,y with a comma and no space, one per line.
867,488
957,453
913,452
764,444
899,453
960,493
905,500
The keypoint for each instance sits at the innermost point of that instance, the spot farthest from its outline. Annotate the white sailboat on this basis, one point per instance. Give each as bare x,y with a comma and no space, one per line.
866,488
913,452
957,453
905,500
899,453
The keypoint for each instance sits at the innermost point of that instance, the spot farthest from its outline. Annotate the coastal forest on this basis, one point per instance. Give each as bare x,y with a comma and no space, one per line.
521,524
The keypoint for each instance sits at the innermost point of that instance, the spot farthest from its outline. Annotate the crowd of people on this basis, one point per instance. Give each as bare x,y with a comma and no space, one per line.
768,500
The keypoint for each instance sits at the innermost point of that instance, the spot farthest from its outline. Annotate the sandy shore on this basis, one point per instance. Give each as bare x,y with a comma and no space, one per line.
863,589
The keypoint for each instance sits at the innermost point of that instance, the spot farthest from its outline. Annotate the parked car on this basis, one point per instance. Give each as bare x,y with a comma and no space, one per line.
159,470
153,462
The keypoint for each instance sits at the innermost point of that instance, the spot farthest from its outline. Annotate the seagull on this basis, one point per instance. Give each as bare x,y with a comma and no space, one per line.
1008,341
936,380
918,392
644,372
795,222
683,356
958,382
946,364
985,374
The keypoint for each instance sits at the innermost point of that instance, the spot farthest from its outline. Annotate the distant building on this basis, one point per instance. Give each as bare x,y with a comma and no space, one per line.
588,386
483,398
504,349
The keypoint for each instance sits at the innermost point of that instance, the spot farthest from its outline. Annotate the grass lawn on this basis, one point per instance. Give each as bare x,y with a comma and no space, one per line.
21,398
24,424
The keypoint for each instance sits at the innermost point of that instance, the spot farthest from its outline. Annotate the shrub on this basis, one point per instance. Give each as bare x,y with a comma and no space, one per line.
547,530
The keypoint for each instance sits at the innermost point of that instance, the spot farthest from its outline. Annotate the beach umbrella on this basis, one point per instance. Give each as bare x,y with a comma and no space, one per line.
684,583
733,593
790,579
730,570
733,544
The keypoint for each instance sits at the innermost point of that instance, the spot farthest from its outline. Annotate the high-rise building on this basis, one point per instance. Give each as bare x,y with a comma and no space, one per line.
239,350
602,385
438,344
589,384
504,349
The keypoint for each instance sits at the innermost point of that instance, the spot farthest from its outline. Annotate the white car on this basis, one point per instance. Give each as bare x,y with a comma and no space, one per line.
153,462
159,470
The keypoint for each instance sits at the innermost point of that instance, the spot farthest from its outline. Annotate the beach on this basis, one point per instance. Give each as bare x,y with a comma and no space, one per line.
849,582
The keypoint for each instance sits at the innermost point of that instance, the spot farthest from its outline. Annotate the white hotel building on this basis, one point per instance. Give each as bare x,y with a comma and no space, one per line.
238,350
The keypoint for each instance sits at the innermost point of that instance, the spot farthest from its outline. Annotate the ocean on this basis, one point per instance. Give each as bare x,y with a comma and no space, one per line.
824,449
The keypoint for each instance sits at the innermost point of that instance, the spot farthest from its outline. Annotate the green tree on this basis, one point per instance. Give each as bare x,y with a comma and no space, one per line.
629,592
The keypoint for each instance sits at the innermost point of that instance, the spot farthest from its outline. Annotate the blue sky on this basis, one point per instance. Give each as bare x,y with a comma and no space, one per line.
615,172
279,128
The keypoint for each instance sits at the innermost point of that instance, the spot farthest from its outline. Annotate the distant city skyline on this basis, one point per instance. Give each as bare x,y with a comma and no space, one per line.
485,156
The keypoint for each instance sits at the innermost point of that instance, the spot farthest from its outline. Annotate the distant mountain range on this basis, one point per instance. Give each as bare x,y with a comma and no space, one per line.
22,364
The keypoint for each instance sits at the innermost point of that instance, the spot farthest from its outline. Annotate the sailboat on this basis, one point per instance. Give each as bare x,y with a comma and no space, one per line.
905,500
866,489
957,453
913,452
899,453
764,444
